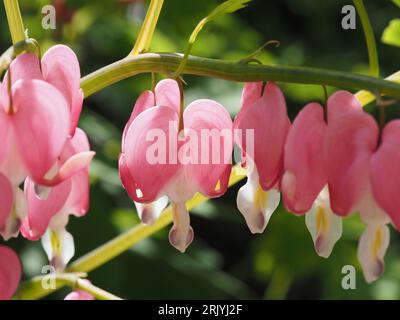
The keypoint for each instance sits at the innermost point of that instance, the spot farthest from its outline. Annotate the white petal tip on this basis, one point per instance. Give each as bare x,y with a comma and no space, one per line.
180,241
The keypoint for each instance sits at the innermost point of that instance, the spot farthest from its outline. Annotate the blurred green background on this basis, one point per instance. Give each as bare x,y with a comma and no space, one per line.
224,261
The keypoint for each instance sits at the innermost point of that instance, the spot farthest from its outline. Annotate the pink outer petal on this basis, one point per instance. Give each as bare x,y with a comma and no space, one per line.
72,166
167,94
349,143
268,118
145,101
304,175
10,272
41,211
385,172
5,129
212,125
252,91
78,200
60,67
6,202
41,124
341,102
25,67
137,168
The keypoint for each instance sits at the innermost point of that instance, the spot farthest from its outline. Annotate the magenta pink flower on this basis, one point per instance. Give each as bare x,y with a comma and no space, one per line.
48,215
37,117
34,122
363,176
306,172
260,131
157,159
10,272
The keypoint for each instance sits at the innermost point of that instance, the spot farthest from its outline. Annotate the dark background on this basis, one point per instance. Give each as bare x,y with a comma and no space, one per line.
224,261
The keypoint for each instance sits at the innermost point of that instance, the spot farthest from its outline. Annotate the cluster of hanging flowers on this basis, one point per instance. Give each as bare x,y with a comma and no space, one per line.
332,161
329,163
44,157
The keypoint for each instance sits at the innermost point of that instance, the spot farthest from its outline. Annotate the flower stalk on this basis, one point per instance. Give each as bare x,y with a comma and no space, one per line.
149,25
15,22
369,38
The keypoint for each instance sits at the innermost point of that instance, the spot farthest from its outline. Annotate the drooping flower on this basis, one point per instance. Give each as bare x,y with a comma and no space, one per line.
34,122
48,216
357,180
260,131
159,159
385,172
59,67
37,117
10,272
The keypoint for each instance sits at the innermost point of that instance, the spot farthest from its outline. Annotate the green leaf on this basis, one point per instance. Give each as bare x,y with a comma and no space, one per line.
397,2
391,35
229,6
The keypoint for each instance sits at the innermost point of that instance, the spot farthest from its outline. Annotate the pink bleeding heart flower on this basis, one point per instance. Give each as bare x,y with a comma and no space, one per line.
48,216
350,140
351,155
385,172
34,128
305,179
80,294
34,124
304,175
59,67
10,272
261,128
159,160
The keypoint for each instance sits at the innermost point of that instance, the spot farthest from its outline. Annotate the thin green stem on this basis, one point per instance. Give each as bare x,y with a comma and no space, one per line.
369,38
233,71
35,289
149,25
15,22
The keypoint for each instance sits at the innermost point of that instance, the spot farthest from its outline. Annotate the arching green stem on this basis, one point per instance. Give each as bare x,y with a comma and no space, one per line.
231,70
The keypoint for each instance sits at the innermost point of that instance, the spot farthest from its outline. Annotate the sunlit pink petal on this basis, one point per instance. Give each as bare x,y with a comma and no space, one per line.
145,101
60,68
145,165
6,194
41,125
211,163
167,94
